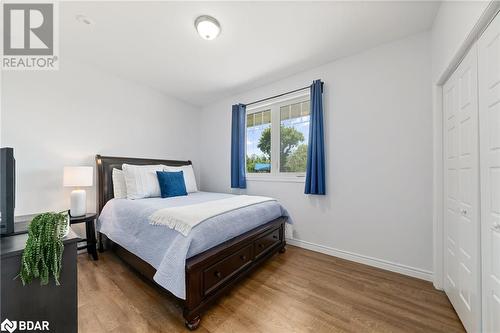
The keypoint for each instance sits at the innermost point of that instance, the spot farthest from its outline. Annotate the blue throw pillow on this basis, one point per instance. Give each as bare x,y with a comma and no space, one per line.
171,183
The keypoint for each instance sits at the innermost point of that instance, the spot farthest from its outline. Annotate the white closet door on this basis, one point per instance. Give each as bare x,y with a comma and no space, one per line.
462,243
450,107
489,115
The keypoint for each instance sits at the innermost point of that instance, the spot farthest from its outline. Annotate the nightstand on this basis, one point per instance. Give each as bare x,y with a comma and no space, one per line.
56,304
91,241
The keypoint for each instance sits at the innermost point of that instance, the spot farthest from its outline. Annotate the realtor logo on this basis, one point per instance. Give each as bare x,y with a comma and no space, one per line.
8,326
30,36
28,29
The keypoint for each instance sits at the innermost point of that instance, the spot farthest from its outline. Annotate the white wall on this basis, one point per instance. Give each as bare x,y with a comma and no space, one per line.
62,118
378,120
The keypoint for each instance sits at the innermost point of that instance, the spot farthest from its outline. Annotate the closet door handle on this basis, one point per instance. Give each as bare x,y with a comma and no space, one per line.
496,227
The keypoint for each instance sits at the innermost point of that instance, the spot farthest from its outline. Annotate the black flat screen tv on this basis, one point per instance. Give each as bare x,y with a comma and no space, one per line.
7,190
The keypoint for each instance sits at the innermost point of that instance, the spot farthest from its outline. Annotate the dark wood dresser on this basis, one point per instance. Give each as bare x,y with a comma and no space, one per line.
55,304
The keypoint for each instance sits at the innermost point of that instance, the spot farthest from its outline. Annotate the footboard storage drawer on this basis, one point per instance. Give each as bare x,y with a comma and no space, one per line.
223,270
212,273
262,244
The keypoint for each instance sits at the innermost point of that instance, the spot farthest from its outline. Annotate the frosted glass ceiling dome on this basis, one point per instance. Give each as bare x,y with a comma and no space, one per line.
207,26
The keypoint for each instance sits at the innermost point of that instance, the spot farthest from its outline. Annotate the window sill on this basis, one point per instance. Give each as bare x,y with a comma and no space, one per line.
277,179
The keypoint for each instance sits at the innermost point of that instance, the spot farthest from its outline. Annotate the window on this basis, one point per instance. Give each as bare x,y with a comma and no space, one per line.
259,142
294,135
276,138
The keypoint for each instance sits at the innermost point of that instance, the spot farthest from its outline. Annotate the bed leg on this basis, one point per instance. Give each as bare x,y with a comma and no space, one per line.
104,243
100,244
193,323
283,248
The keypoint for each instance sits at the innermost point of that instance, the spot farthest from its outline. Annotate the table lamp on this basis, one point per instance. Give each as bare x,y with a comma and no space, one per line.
78,177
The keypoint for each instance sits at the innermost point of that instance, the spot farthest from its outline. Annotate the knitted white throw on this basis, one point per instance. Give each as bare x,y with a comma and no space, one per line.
184,218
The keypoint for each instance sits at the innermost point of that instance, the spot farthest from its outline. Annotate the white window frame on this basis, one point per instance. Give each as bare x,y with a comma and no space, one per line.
274,105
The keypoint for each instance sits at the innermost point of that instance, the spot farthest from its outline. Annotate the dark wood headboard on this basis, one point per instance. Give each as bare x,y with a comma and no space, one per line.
105,166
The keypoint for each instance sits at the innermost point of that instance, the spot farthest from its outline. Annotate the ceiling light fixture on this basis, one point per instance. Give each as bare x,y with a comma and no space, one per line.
207,26
84,19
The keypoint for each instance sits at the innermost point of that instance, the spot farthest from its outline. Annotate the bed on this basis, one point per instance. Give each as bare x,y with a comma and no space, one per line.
197,269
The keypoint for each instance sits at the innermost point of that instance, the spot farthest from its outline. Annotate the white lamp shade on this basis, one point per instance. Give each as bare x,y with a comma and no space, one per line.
78,176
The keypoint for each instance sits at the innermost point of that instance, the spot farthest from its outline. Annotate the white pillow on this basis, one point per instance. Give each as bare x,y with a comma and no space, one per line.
142,181
189,178
119,185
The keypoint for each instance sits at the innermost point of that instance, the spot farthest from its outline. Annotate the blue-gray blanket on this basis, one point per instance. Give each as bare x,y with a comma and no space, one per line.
126,222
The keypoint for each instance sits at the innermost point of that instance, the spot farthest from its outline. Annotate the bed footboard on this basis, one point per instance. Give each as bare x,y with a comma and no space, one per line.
213,272
210,274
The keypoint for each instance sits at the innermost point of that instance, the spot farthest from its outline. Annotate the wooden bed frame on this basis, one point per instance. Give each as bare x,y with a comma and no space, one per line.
209,274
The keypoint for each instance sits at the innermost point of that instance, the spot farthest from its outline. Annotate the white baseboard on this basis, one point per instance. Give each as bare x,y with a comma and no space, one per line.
379,263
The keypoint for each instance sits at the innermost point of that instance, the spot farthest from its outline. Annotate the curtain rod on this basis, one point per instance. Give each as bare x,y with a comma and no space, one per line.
282,94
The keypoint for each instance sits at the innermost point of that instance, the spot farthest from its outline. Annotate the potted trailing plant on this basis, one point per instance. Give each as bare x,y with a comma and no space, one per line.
42,255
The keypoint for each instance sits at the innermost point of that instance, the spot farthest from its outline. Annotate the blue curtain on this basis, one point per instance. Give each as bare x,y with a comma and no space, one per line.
238,147
315,172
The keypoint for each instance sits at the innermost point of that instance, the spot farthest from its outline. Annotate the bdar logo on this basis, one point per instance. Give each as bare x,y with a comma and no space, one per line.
24,325
9,326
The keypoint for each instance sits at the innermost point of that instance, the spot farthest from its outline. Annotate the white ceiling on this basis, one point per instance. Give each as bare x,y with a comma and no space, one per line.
156,43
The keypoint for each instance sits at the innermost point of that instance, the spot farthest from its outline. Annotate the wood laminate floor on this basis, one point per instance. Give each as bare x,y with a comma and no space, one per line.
299,291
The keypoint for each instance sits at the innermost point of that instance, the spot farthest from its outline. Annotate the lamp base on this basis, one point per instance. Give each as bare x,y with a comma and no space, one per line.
78,204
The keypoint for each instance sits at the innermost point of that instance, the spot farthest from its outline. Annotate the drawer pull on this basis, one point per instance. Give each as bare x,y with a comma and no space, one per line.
218,274
275,237
243,257
261,246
